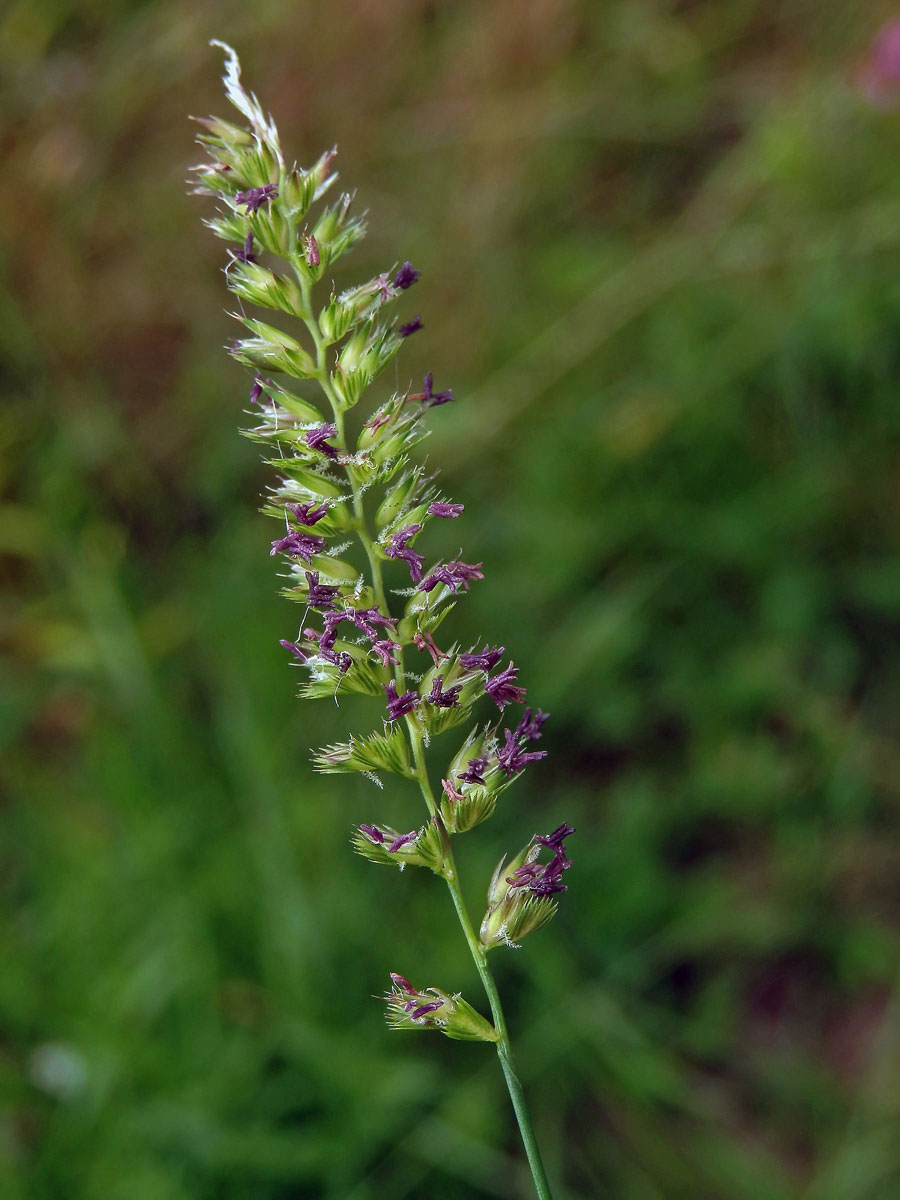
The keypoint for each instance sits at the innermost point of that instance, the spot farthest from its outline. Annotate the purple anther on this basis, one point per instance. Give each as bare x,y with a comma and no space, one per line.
429,397
454,575
244,253
256,196
529,727
448,699
320,595
411,327
406,276
365,620
297,651
403,840
485,661
475,772
315,439
307,514
397,548
398,706
374,834
513,759
438,508
386,651
298,545
557,837
423,1010
502,689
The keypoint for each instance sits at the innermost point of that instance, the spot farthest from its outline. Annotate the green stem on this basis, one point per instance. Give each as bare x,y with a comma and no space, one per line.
451,874
479,955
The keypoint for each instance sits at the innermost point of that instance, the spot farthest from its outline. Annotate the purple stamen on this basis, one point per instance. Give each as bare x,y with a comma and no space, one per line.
502,689
452,574
340,659
438,508
513,759
411,327
374,834
399,706
307,514
448,699
485,661
557,837
406,276
475,772
297,651
422,1011
298,544
245,253
544,879
315,439
429,397
365,619
403,840
397,548
256,196
529,727
386,651
320,595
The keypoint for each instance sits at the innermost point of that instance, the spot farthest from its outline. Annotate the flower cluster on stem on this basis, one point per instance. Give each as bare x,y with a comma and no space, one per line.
339,481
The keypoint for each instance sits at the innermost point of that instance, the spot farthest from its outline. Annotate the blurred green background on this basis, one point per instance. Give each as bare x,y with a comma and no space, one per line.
660,245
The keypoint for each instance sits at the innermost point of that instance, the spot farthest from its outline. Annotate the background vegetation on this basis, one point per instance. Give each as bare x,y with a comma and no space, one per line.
659,245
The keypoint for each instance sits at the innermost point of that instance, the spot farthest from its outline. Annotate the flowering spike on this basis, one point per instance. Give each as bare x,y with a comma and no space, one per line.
349,641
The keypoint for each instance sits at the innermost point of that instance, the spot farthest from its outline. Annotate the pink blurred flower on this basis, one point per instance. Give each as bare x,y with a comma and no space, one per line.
879,76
